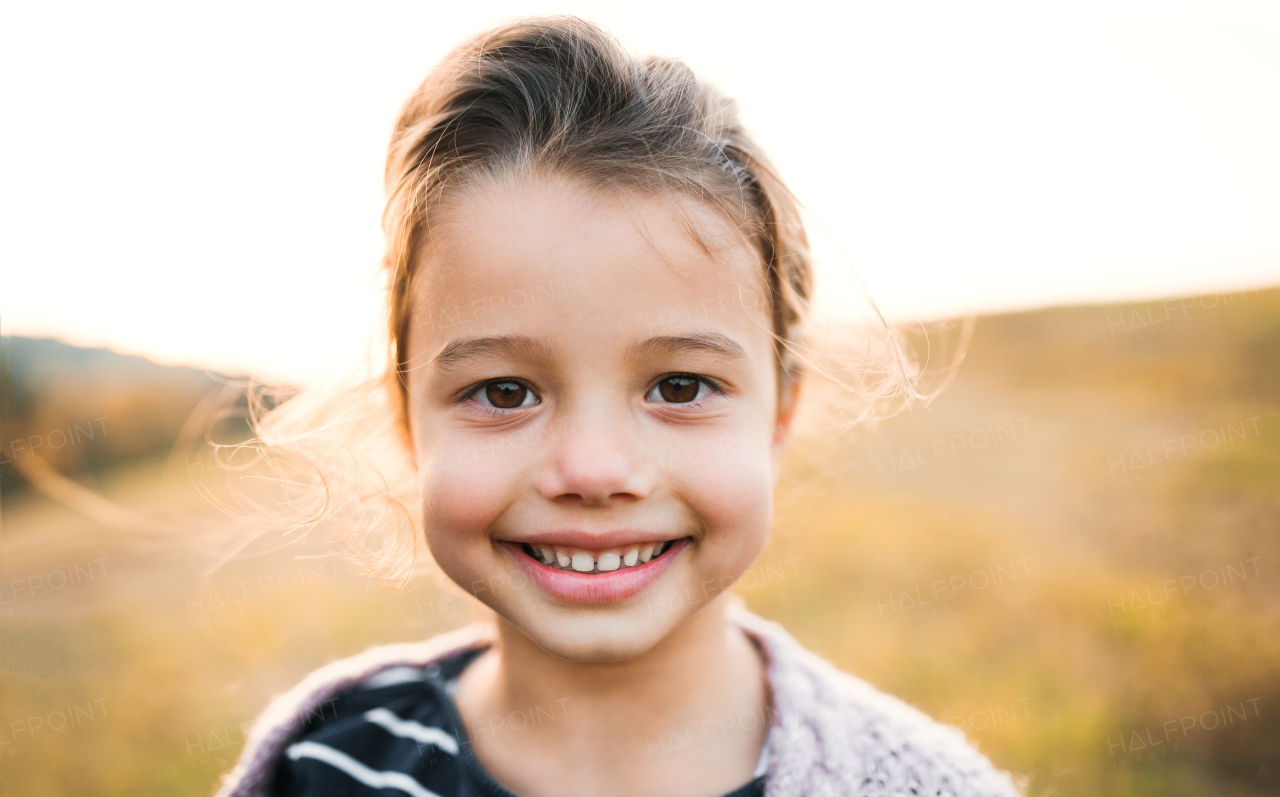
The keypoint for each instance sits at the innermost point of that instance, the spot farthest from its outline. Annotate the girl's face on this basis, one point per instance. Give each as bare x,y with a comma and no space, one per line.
593,404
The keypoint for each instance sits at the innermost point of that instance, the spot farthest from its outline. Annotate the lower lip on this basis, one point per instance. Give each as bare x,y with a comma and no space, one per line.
599,588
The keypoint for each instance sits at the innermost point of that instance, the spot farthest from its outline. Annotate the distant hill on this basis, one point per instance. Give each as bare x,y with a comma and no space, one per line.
87,409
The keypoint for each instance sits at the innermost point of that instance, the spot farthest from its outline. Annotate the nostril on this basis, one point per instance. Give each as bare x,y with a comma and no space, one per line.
594,469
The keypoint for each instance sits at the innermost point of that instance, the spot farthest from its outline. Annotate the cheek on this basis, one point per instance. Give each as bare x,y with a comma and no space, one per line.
465,486
731,491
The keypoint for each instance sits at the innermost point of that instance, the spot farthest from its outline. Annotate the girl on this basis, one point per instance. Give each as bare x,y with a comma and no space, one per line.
597,288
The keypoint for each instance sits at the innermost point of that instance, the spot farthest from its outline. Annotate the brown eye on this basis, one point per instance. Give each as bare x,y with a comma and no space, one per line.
679,389
506,395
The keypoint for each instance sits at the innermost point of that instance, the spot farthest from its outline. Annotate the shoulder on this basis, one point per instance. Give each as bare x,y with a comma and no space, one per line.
396,728
834,733
329,701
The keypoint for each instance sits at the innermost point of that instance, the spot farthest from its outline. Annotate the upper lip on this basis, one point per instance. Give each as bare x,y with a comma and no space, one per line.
593,540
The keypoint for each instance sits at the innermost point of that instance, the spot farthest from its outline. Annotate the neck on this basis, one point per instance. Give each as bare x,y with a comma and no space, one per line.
695,658
704,683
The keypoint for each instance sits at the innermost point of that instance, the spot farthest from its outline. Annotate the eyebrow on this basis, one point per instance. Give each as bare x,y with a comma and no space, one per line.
456,352
513,346
710,342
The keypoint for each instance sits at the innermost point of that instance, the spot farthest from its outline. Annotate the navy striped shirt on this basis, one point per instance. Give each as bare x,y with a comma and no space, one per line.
399,732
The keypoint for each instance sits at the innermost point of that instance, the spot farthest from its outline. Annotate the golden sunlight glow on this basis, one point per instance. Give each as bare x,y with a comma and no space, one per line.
204,186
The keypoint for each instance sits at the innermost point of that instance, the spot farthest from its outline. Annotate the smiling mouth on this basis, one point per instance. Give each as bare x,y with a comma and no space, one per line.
577,560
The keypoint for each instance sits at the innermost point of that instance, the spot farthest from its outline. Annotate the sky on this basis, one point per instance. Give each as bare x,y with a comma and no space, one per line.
202,183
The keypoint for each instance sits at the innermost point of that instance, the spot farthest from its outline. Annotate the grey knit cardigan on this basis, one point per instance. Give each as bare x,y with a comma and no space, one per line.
833,735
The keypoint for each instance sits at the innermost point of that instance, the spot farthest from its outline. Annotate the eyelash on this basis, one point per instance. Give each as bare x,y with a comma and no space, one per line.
471,392
710,383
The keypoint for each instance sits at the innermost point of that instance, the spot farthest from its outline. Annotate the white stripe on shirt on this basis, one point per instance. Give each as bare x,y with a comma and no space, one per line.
412,730
369,777
392,676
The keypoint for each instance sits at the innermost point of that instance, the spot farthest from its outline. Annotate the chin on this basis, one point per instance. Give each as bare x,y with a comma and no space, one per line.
589,637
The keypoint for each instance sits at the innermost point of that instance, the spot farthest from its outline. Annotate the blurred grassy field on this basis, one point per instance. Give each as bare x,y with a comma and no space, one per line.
1031,559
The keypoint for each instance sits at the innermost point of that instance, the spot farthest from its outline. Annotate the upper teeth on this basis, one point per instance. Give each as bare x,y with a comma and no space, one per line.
586,562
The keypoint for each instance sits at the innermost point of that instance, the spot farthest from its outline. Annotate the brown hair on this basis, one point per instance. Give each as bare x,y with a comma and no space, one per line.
560,96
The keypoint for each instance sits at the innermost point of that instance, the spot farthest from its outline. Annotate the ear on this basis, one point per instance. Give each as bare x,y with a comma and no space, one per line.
788,403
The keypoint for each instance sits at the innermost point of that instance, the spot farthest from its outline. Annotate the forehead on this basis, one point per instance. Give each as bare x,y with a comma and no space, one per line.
528,255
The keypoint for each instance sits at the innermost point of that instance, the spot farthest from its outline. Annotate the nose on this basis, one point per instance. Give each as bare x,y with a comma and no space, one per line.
595,464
